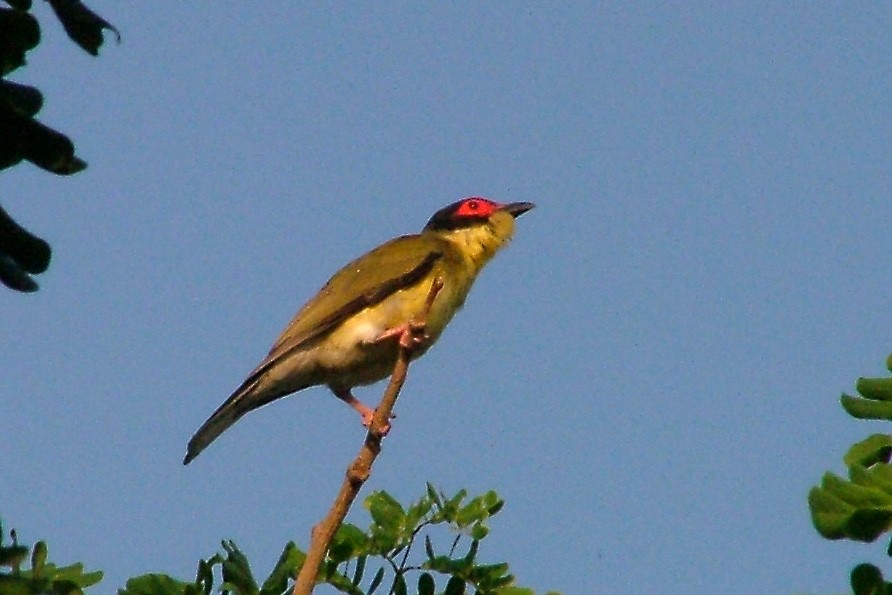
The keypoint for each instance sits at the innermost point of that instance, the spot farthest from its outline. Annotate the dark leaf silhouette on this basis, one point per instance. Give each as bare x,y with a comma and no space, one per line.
20,4
22,98
21,253
82,25
25,138
19,32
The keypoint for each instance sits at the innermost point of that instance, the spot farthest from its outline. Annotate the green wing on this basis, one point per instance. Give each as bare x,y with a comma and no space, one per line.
366,281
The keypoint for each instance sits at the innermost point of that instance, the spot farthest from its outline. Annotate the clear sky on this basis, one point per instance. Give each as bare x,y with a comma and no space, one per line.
649,375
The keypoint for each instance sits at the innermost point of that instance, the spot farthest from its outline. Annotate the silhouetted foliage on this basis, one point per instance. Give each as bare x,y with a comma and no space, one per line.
22,136
21,254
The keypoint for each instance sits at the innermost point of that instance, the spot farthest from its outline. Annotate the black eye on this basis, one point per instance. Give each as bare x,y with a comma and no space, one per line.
473,205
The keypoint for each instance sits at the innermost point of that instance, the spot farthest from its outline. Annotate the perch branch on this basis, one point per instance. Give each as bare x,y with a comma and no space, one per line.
358,472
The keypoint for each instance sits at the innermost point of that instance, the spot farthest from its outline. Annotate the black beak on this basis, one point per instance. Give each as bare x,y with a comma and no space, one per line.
518,208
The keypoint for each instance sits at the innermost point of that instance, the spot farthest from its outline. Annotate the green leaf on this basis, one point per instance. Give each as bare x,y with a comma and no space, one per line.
204,576
840,509
882,474
417,512
290,561
492,498
399,585
455,586
877,477
331,575
13,555
866,409
91,578
38,558
829,514
388,531
446,565
490,575
868,524
154,584
843,509
511,590
496,506
15,585
866,579
473,511
877,389
435,497
855,495
237,571
450,507
385,510
478,532
472,552
498,582
66,587
426,584
376,581
348,542
875,449
74,574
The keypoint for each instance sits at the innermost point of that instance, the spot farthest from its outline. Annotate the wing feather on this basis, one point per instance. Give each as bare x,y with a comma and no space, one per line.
399,263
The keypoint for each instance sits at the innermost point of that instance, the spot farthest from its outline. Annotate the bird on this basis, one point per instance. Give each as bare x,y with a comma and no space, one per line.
349,333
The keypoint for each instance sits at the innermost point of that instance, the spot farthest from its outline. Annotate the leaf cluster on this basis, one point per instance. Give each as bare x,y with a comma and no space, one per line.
394,531
41,576
237,576
380,559
859,507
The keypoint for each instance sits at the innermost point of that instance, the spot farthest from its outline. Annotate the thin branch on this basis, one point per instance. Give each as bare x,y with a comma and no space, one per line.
454,543
406,553
361,468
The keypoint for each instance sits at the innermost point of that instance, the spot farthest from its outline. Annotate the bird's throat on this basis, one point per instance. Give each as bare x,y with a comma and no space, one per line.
479,243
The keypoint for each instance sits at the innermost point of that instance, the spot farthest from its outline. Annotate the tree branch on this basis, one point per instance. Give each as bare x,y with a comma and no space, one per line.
358,472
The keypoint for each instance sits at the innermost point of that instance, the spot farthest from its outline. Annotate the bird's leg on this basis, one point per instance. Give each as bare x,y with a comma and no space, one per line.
365,412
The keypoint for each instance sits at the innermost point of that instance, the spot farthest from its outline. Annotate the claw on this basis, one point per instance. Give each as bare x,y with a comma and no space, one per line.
410,335
367,416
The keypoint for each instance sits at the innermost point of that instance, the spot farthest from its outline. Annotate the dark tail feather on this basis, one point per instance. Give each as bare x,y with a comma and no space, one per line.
243,400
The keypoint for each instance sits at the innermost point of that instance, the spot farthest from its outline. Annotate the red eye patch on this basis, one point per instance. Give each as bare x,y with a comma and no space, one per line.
476,207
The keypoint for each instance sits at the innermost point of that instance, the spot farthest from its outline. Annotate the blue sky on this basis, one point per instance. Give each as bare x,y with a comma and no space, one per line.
649,375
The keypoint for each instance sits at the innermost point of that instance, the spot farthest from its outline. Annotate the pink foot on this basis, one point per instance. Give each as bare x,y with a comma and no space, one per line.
367,416
410,334
365,412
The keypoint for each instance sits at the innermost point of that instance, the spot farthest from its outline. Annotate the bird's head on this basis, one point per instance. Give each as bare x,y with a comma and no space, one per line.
475,211
479,225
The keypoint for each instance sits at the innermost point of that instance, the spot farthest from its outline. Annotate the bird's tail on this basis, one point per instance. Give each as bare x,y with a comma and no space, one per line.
247,397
